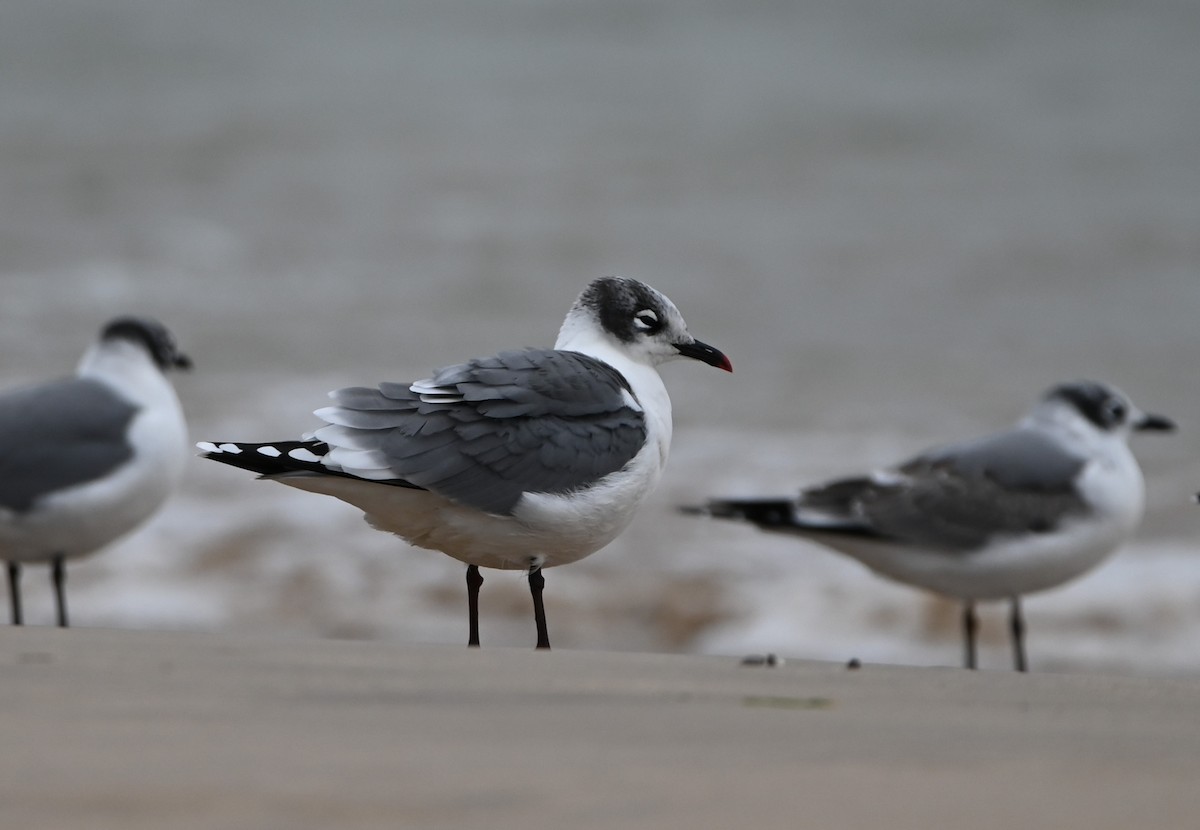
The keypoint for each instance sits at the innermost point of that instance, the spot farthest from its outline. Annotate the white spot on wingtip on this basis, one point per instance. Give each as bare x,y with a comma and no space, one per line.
207,446
270,452
305,455
233,449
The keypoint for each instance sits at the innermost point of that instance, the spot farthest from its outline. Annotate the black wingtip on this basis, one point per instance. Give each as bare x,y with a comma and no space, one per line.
282,459
266,459
766,513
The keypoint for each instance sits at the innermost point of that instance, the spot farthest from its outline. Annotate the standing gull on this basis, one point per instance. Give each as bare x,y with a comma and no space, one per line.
1009,514
524,460
87,459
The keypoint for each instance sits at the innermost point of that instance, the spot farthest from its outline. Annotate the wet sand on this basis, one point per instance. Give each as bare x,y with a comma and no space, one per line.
119,729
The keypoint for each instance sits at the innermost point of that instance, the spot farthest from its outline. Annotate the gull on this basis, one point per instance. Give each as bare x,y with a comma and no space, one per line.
524,460
86,459
995,518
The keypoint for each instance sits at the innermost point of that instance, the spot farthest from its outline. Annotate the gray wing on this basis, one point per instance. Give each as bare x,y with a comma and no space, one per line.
59,435
957,497
483,433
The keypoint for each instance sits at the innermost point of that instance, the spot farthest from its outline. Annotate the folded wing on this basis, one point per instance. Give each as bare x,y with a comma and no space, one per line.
59,435
957,497
485,432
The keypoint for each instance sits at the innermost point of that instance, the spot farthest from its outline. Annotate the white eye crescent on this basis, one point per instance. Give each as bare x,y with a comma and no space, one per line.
645,319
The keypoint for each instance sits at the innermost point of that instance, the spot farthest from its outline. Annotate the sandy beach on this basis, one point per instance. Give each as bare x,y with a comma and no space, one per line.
121,729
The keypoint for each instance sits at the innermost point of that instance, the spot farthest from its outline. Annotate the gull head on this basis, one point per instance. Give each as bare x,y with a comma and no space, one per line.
150,335
1097,407
635,320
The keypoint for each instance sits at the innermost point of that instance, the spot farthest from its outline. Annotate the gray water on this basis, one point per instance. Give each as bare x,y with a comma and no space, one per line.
901,220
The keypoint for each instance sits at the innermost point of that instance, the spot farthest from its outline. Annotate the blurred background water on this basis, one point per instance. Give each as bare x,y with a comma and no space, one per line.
902,220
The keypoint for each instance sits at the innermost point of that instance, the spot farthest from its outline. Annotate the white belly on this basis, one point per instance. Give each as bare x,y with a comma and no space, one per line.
1004,569
544,529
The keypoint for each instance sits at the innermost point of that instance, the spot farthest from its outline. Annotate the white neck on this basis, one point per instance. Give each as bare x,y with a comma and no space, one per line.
128,368
578,333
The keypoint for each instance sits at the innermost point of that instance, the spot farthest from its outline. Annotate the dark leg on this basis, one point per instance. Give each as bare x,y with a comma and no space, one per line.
474,580
1016,624
14,592
536,583
58,571
970,626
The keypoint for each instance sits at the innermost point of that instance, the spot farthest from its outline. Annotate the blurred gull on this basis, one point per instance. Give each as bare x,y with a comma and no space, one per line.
87,459
524,460
1009,514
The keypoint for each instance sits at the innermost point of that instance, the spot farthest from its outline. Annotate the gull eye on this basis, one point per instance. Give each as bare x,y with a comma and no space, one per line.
647,320
1115,411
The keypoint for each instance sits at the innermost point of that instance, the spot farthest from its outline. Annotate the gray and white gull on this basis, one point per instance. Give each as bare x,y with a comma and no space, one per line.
524,460
1009,514
87,459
